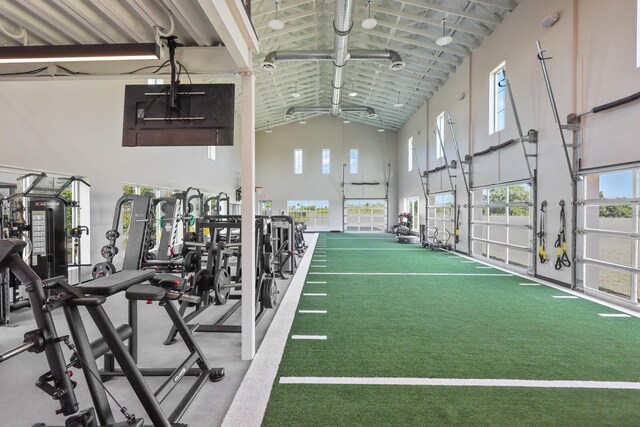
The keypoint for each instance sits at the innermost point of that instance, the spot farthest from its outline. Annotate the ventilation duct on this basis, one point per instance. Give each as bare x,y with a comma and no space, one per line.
342,25
291,112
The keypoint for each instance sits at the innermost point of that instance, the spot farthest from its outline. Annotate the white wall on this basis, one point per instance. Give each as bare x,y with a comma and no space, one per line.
75,128
274,163
593,45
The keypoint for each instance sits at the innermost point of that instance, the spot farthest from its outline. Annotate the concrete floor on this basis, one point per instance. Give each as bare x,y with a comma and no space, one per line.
21,403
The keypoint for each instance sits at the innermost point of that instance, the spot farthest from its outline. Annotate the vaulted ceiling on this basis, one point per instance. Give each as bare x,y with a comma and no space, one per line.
409,27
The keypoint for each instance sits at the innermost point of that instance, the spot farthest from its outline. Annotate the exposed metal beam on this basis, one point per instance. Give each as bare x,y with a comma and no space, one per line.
481,32
453,11
506,5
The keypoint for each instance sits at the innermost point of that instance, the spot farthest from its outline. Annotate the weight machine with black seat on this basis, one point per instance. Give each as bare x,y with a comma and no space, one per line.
214,283
283,234
38,215
57,382
137,236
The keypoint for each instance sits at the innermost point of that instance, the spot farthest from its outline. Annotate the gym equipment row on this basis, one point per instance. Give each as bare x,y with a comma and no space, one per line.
57,381
38,216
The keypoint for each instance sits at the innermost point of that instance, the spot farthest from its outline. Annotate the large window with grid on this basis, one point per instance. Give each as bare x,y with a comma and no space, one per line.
297,161
609,233
365,215
314,213
353,161
502,224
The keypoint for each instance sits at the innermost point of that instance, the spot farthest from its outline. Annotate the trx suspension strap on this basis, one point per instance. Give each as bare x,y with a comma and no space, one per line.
561,242
542,254
457,236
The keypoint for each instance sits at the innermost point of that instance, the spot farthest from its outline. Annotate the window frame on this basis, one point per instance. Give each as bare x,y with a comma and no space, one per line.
496,91
298,161
326,161
440,136
354,161
410,154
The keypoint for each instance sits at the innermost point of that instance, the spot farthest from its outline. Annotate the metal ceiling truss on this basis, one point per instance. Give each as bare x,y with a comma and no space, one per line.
408,27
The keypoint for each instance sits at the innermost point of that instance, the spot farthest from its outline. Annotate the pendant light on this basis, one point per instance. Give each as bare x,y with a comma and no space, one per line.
346,120
302,120
353,92
370,22
268,130
398,104
275,23
295,93
445,39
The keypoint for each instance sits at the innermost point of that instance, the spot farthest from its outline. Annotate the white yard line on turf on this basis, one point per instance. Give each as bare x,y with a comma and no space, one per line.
312,311
318,283
308,337
250,402
565,297
529,284
463,382
613,315
314,295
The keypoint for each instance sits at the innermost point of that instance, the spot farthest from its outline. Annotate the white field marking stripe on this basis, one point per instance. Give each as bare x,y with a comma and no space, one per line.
565,297
415,274
318,266
308,337
463,382
319,283
314,295
465,261
484,267
613,315
529,284
312,311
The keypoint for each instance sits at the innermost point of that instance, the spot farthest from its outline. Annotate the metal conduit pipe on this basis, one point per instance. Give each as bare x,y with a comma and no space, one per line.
292,111
269,62
342,24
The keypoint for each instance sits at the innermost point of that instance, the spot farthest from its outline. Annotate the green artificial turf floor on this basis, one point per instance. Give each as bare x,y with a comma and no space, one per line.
477,324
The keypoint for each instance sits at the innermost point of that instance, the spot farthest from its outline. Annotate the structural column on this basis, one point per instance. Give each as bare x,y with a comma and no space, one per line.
247,153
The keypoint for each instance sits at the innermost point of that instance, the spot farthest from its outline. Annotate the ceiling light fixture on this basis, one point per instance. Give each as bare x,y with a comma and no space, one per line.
370,22
79,53
353,92
346,120
268,130
381,128
398,104
275,23
445,39
295,93
302,120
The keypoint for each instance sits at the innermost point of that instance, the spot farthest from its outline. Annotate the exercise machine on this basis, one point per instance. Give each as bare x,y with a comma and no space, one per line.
404,229
57,382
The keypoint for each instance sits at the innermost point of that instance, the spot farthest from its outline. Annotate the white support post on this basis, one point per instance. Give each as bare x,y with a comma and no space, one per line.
247,153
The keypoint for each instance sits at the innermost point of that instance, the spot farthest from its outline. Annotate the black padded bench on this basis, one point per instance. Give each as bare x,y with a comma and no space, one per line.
116,282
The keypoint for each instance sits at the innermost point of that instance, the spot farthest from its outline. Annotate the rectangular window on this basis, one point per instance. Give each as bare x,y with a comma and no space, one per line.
410,154
497,99
155,81
412,206
439,135
315,213
297,161
326,161
353,160
211,152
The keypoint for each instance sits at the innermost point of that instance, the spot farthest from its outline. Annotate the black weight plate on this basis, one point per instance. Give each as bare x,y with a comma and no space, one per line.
269,293
220,287
102,269
112,235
